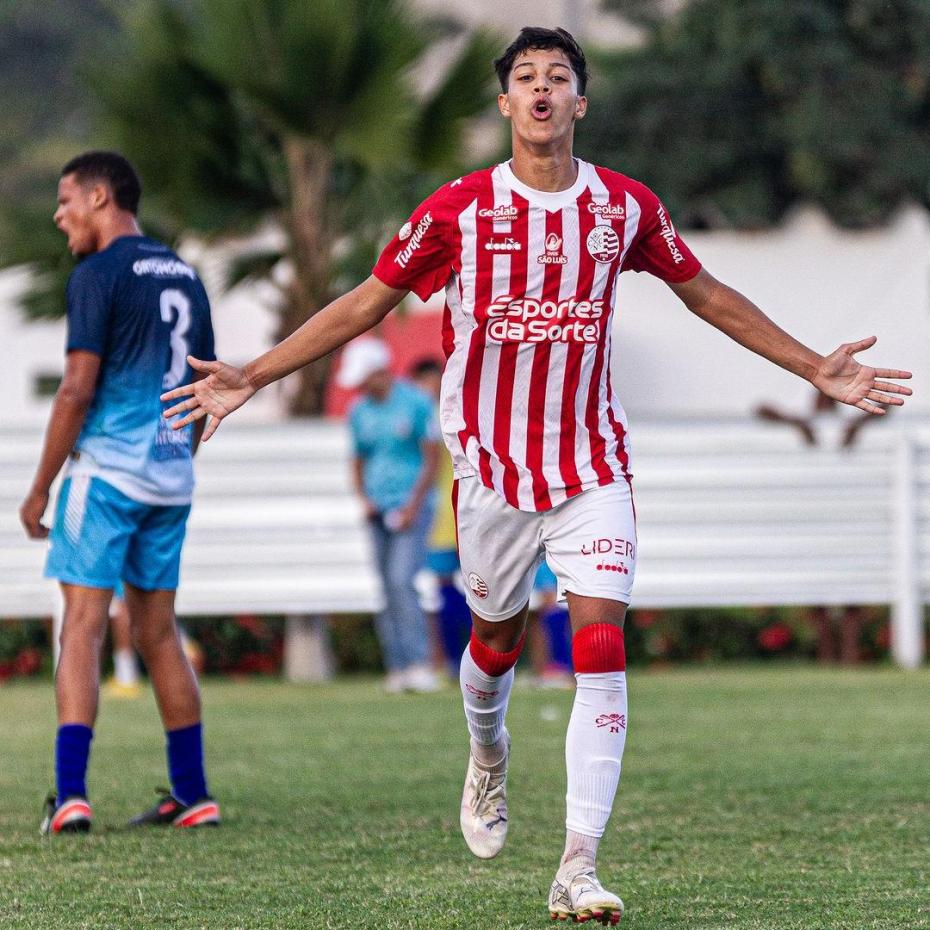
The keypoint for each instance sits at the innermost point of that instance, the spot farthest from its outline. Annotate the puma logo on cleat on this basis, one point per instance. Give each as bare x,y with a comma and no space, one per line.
500,819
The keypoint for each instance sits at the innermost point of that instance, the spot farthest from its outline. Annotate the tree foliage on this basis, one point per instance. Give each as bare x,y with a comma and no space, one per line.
737,111
306,116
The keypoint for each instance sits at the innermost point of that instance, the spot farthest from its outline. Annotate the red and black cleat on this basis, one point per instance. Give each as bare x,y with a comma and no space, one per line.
73,815
170,812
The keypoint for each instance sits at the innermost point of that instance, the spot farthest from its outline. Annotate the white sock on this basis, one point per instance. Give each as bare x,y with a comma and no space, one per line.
485,698
593,752
125,667
580,853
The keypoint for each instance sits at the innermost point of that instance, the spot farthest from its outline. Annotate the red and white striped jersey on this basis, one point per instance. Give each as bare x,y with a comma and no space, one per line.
531,281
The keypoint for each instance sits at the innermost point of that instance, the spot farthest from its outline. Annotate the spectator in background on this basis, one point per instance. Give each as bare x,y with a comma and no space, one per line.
454,617
395,436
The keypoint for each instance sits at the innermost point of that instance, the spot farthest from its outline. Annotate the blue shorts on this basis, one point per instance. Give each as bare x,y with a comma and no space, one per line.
101,536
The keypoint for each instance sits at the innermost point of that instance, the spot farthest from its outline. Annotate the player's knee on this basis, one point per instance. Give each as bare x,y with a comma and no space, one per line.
498,656
153,632
84,621
599,648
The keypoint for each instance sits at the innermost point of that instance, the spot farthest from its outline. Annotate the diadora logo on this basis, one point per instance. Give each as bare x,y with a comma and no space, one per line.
603,244
612,211
553,254
616,722
416,237
503,245
505,213
478,585
478,693
668,234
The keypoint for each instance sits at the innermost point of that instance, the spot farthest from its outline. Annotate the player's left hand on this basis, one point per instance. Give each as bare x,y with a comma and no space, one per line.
31,512
844,379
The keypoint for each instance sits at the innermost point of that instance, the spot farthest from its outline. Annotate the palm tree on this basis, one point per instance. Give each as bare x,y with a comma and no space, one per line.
304,114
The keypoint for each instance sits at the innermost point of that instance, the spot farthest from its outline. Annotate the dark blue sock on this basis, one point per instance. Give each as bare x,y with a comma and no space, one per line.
72,750
185,763
559,635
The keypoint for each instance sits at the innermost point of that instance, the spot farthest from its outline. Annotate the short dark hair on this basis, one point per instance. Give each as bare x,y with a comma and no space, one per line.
537,37
114,170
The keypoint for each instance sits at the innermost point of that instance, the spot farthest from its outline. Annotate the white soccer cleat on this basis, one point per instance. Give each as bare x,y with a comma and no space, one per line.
582,897
483,815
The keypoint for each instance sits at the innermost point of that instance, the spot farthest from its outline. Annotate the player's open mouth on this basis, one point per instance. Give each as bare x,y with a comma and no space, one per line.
541,110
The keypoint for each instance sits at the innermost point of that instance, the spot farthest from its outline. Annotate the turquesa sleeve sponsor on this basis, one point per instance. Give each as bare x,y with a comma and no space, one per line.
88,310
419,257
658,247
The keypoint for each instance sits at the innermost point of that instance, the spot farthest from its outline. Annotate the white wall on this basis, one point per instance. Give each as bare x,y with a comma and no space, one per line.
824,285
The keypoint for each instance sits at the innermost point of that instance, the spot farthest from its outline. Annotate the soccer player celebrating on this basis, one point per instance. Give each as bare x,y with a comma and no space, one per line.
135,311
529,253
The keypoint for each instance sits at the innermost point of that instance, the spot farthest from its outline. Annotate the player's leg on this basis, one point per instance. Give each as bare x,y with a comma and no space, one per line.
499,549
89,537
151,577
592,545
77,685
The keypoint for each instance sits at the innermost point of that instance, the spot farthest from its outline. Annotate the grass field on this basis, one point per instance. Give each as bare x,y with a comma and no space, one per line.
751,798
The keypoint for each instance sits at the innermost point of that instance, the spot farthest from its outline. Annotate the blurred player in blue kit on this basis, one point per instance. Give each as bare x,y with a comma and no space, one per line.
135,311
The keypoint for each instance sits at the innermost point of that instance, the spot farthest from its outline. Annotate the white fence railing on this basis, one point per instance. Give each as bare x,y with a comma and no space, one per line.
729,513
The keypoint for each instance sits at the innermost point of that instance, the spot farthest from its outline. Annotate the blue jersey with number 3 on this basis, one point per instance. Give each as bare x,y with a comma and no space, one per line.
142,310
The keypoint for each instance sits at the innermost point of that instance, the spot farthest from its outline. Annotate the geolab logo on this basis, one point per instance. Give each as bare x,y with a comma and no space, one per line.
478,585
612,211
603,244
505,213
616,722
553,254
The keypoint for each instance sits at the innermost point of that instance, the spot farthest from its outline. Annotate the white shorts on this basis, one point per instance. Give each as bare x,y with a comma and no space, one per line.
589,542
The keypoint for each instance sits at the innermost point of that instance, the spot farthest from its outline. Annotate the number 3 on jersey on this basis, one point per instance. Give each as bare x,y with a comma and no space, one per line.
174,301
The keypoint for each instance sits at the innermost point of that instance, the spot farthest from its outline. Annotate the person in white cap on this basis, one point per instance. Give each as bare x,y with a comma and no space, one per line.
396,450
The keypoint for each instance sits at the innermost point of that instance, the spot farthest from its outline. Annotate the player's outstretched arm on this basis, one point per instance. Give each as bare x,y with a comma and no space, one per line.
225,388
838,375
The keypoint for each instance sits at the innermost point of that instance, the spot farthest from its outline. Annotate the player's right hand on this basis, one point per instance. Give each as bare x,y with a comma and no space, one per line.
30,514
224,389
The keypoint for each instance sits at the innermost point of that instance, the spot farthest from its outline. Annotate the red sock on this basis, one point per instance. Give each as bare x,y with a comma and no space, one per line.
492,662
597,648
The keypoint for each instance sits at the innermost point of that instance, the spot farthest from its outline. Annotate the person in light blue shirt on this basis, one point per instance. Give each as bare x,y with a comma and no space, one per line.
135,312
396,452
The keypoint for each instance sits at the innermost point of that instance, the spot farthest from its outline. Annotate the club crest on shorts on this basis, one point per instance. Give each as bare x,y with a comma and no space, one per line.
603,244
478,585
